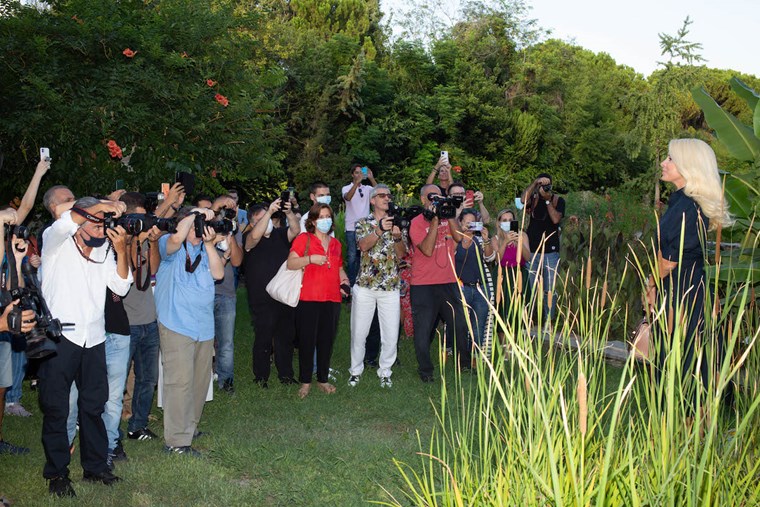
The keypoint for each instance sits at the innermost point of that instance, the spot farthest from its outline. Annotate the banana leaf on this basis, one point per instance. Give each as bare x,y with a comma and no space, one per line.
741,196
739,139
749,95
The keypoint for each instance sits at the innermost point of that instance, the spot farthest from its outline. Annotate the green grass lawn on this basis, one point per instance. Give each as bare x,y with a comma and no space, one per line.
265,447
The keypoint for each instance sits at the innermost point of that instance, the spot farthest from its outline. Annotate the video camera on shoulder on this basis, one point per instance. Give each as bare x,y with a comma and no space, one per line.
402,217
41,340
445,207
136,223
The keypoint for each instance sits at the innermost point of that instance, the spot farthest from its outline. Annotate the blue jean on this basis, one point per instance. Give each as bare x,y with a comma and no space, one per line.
478,309
18,362
352,257
224,330
117,356
143,350
547,264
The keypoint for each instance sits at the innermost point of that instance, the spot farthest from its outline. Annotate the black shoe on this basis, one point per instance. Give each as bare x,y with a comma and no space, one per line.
118,453
106,477
262,382
109,462
199,434
143,434
61,487
428,379
9,448
286,381
227,386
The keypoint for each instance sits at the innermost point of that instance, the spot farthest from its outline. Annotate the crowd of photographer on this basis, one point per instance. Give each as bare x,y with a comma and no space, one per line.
139,282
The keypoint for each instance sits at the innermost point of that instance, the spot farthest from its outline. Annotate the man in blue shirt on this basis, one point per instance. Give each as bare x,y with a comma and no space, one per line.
185,306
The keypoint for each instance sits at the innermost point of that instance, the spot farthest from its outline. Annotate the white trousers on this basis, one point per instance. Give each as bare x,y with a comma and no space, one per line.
363,305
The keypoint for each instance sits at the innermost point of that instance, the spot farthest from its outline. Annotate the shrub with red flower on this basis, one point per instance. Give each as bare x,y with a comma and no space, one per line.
457,169
210,82
221,99
184,54
114,150
129,53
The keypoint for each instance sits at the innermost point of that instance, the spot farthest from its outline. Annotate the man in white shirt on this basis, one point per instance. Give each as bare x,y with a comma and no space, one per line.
78,267
357,198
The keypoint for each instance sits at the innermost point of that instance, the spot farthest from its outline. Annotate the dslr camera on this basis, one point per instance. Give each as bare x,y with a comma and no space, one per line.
135,223
402,217
19,231
223,226
41,340
445,207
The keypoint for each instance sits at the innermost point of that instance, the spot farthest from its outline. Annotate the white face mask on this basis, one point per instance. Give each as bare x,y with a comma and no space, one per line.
518,203
223,245
504,226
324,199
270,227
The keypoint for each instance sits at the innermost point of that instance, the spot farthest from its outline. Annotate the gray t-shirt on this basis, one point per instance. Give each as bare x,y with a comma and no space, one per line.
140,305
225,287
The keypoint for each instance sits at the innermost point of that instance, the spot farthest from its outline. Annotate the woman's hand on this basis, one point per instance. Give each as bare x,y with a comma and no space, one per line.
319,260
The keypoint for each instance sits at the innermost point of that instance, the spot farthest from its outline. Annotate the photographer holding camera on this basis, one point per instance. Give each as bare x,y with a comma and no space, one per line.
377,286
546,210
9,217
78,267
434,291
185,306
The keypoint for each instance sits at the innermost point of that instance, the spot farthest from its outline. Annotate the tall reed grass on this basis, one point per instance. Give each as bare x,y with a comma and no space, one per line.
544,423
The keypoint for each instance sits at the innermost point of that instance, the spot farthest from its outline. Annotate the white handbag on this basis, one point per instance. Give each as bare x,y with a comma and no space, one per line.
285,285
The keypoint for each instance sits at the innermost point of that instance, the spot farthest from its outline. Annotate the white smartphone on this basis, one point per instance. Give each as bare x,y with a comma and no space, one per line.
44,153
445,156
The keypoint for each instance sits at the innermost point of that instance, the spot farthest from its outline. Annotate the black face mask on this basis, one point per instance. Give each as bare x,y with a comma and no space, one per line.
94,242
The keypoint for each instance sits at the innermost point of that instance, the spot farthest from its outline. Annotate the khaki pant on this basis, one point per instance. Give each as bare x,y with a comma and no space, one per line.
187,369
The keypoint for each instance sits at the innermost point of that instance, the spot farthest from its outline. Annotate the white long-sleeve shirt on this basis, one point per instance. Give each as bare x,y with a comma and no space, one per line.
75,288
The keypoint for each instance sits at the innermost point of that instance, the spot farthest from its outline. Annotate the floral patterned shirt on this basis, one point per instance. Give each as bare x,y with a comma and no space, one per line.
379,265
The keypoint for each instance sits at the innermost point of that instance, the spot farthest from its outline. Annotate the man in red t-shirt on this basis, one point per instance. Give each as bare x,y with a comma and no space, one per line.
434,291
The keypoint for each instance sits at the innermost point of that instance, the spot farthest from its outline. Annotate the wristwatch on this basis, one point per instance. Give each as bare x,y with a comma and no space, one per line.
548,202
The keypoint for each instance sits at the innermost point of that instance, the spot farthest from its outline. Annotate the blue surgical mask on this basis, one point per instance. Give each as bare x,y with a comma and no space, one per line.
518,203
324,224
324,199
504,226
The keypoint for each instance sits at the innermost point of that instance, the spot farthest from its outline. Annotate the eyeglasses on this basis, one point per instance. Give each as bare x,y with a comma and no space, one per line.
384,196
457,194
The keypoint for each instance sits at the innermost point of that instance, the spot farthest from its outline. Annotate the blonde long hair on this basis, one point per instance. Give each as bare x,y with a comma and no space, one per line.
696,162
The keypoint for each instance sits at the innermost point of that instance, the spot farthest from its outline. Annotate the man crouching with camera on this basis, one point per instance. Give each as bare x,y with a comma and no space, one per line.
434,291
185,304
78,266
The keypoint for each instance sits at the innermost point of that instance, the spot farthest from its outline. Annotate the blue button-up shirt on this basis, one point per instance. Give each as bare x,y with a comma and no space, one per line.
185,301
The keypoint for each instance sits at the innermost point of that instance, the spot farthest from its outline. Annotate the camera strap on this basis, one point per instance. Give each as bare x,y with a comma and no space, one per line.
141,285
10,261
191,267
87,215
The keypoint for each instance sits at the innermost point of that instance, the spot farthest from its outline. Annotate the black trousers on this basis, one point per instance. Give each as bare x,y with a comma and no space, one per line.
316,325
430,302
274,327
372,347
86,367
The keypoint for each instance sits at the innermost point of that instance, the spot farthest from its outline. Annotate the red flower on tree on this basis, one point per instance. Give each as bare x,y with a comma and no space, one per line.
114,150
221,99
457,169
210,82
184,54
75,18
129,53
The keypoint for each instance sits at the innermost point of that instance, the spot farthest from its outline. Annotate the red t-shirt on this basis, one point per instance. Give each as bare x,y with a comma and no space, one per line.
438,268
320,283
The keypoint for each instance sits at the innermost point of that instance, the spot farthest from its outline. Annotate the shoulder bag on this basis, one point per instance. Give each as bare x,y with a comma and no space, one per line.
285,286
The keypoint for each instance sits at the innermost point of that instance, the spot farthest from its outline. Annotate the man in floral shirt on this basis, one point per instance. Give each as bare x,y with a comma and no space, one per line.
377,286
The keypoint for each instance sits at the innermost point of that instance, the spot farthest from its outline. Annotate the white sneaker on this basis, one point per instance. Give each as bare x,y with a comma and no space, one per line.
386,382
353,380
332,375
16,409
